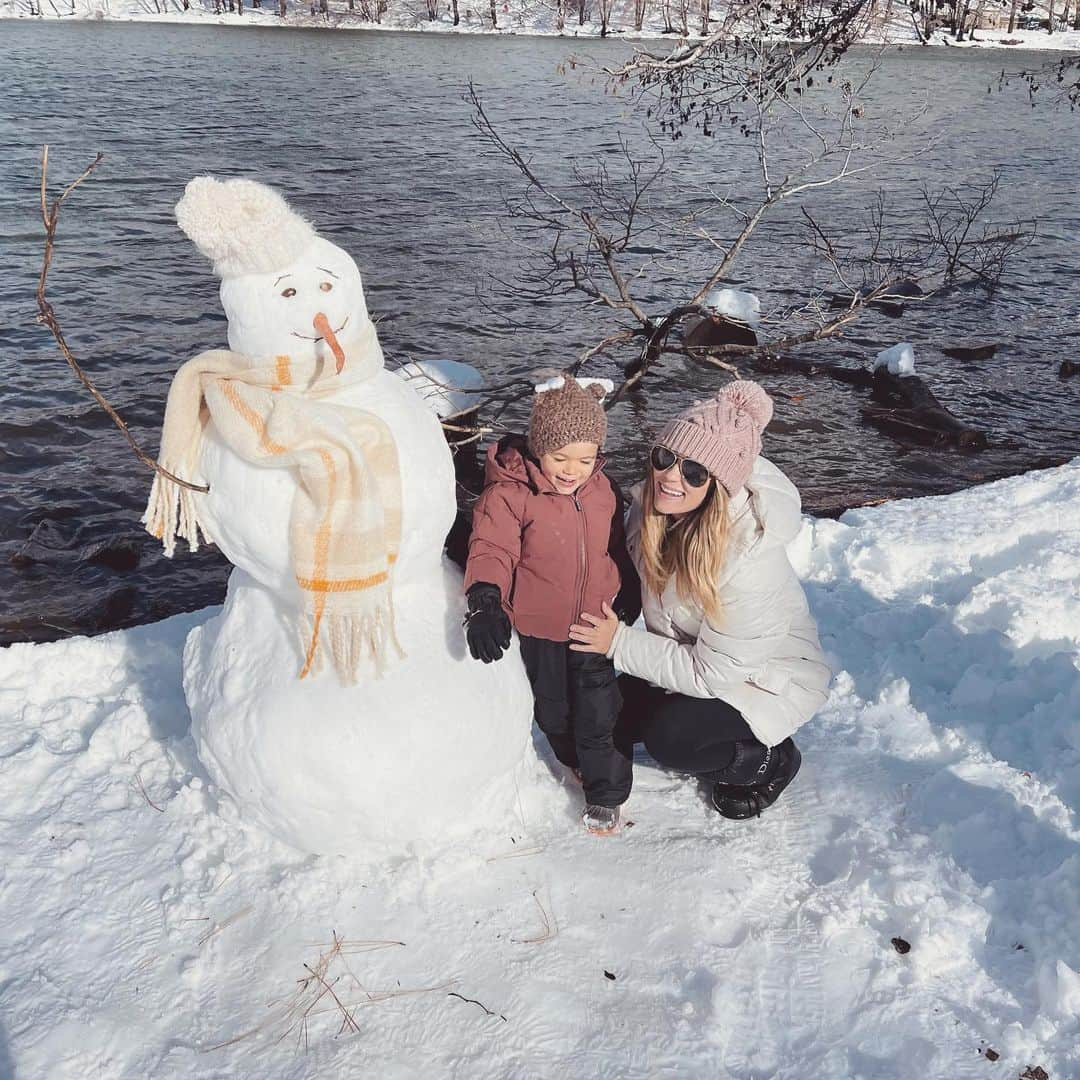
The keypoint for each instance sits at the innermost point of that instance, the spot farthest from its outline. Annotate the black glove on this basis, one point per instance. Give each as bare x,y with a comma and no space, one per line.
487,626
627,605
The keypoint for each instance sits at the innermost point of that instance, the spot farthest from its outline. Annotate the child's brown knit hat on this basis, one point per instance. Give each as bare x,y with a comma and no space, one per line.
567,411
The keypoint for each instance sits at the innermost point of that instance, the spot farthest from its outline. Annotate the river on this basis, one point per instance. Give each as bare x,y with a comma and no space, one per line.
368,134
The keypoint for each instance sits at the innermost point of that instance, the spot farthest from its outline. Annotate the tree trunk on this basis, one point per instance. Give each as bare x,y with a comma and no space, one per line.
704,18
581,12
281,8
324,7
1012,16
964,13
494,15
457,14
560,15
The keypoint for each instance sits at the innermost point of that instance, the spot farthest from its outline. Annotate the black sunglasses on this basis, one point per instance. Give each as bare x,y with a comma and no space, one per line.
693,472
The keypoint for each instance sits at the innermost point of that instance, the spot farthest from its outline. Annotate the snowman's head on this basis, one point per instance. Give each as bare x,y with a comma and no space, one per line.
284,288
300,309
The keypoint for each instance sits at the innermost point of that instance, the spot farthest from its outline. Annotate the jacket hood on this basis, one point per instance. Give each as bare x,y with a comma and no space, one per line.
775,505
509,460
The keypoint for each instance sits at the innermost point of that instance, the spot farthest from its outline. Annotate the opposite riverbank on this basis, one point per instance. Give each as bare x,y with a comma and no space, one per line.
515,17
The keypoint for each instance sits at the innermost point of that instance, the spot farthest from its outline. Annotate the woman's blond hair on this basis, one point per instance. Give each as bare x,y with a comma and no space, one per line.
690,548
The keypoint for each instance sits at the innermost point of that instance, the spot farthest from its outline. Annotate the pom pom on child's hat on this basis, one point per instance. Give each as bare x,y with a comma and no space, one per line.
723,433
568,410
242,226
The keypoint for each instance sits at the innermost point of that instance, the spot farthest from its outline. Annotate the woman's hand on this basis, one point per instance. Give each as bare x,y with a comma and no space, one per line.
598,635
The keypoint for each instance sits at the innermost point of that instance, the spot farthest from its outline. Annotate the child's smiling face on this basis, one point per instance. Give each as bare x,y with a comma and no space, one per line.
570,466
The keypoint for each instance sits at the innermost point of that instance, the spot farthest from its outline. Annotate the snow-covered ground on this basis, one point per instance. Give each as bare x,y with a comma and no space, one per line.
519,17
145,933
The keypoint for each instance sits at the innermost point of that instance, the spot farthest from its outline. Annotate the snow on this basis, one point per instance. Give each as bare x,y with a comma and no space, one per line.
148,932
448,386
743,307
897,359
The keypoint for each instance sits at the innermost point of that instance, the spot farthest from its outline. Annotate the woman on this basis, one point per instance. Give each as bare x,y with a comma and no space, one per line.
729,665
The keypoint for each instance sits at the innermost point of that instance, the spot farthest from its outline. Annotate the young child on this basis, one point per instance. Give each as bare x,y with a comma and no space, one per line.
548,544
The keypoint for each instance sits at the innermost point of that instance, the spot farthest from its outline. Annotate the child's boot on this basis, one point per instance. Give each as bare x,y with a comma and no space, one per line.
601,820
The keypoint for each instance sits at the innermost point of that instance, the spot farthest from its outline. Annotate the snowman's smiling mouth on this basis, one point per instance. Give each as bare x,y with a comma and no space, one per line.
310,337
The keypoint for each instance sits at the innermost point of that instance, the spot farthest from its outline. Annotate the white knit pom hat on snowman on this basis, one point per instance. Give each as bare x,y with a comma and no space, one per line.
242,226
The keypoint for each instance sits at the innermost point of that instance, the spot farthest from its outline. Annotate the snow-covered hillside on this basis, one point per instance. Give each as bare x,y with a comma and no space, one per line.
145,933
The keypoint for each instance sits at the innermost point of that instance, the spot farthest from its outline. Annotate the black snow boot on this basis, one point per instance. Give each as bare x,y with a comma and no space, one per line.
740,801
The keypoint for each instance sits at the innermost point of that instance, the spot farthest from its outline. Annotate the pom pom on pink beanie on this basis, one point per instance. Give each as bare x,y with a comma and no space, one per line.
723,433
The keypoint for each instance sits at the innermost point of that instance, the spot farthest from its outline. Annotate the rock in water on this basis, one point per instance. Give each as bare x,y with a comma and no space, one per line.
970,352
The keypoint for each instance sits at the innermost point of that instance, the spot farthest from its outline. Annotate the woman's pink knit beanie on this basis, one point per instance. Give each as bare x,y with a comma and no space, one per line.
723,433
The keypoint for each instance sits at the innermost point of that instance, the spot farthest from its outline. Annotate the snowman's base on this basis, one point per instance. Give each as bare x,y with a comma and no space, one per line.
435,748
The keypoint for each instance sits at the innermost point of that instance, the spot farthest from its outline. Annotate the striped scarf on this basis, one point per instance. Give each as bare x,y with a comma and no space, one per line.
345,526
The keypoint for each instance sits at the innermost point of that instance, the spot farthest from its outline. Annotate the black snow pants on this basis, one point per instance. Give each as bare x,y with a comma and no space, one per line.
704,736
576,706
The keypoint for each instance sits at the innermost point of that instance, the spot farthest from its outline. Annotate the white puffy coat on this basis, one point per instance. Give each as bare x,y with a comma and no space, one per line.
762,654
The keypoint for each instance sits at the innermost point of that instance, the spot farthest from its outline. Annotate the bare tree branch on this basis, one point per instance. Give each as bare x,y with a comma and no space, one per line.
50,215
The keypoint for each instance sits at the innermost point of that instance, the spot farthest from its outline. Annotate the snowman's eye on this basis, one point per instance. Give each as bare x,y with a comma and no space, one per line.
288,292
326,286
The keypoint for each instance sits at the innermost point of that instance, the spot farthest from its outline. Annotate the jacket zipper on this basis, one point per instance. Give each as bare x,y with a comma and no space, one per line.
584,560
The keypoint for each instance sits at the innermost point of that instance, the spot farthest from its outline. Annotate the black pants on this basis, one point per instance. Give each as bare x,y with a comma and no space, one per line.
576,706
687,734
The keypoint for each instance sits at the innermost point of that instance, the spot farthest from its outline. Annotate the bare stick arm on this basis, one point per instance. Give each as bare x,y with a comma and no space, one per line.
50,215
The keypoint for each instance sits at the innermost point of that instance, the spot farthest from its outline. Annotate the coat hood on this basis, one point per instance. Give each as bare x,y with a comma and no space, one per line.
771,504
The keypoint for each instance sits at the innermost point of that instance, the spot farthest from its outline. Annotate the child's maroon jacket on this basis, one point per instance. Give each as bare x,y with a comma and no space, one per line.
552,555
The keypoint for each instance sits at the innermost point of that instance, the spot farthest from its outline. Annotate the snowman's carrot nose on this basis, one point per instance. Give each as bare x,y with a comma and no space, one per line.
322,324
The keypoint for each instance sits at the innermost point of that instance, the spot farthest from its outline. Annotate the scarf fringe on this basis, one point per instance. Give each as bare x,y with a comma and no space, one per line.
350,638
171,513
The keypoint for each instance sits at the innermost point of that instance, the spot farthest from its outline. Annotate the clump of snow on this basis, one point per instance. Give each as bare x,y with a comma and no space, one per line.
743,307
448,386
150,934
897,359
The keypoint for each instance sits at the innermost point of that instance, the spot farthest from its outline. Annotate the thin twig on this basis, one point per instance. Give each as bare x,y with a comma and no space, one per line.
138,780
47,316
551,927
473,1001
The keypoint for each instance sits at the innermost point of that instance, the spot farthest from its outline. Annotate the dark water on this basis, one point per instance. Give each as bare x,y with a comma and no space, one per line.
368,135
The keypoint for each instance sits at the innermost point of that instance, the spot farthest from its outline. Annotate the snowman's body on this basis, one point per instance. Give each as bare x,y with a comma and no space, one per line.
436,744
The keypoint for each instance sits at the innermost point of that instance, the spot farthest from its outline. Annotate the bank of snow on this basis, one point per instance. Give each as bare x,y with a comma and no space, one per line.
146,934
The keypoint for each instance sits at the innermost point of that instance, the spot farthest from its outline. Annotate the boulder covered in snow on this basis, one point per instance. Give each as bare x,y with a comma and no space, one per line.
448,386
896,360
735,320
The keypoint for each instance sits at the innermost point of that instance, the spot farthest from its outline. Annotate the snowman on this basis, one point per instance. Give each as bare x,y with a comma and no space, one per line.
333,699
